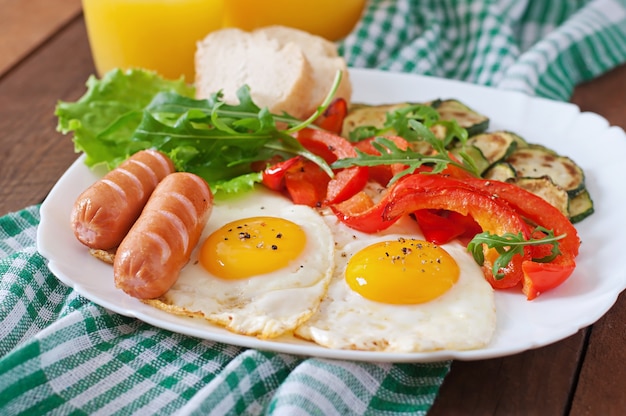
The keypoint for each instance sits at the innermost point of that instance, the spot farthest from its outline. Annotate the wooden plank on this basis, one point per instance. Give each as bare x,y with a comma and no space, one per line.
26,24
535,382
603,375
38,153
605,95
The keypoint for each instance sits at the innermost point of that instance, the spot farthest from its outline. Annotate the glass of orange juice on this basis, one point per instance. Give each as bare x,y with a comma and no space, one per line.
160,35
332,19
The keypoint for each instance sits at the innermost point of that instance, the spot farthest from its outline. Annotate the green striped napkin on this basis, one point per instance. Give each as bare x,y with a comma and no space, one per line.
62,354
542,48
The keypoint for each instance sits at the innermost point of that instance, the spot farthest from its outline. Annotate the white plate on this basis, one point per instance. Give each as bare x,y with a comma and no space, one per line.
522,325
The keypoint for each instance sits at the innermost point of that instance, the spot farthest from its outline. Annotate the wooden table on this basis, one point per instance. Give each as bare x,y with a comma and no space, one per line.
45,57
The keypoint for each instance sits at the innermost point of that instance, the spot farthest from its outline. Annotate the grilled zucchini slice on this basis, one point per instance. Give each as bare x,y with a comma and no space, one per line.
472,121
545,188
501,171
580,206
519,140
537,161
367,115
474,153
494,146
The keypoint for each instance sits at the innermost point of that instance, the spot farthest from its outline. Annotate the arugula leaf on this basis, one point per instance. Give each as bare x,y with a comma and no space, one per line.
413,123
390,154
508,245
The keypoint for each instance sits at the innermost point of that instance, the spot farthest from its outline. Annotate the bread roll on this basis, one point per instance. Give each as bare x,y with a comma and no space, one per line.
287,70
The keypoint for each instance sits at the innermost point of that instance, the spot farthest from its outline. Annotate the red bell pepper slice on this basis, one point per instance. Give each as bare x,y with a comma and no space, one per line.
535,209
303,180
539,277
306,183
367,216
441,226
333,117
360,213
437,227
274,176
347,182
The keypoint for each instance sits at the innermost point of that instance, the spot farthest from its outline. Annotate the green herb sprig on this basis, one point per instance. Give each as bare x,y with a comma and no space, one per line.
215,139
510,244
413,123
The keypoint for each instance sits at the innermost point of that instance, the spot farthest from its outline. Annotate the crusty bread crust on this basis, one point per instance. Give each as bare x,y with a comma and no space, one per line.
287,70
107,256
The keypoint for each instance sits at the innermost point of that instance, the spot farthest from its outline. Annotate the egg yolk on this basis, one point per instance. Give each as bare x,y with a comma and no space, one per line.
252,246
403,272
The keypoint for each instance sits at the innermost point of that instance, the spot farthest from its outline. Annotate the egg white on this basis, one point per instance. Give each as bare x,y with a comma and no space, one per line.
266,305
462,318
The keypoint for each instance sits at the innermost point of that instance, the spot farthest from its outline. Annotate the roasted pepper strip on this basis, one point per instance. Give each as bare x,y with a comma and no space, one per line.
535,209
306,184
347,182
441,226
332,118
274,175
360,213
539,277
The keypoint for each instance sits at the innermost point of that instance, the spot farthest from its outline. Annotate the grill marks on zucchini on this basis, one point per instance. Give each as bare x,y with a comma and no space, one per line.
537,161
493,147
546,189
466,117
566,179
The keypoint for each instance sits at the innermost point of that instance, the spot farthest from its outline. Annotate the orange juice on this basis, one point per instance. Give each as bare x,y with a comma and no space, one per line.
332,19
154,34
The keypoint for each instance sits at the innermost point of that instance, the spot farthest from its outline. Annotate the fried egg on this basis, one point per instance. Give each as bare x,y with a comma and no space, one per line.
261,269
394,292
266,267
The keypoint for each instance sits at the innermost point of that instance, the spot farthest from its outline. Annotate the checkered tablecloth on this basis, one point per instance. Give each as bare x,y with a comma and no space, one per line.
62,354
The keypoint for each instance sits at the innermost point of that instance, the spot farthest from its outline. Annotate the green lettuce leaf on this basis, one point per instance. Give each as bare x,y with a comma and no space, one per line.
104,119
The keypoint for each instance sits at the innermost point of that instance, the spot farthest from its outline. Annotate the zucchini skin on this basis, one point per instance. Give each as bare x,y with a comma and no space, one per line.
580,207
500,171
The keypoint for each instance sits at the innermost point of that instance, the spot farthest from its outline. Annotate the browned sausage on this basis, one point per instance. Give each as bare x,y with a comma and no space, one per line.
149,259
104,212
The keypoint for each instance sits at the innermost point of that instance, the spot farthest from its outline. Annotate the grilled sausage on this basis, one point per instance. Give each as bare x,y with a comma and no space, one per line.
104,212
151,256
